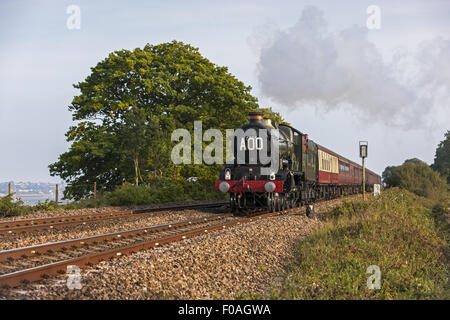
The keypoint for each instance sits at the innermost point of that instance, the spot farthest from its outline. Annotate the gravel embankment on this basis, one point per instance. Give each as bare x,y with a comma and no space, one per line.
246,259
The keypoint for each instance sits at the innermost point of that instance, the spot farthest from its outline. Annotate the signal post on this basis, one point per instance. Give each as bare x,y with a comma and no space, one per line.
363,146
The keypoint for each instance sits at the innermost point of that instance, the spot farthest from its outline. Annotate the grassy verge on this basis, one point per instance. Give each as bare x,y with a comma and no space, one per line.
401,233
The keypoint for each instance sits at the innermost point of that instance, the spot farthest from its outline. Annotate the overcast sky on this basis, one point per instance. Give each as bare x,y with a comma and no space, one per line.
302,61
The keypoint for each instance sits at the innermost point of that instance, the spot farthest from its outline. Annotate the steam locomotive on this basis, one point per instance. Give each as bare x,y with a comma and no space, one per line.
299,172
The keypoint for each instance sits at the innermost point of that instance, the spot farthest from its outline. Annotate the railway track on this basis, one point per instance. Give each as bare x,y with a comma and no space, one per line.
23,265
28,225
28,264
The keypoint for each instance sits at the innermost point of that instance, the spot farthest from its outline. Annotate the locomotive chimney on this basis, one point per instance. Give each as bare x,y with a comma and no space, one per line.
268,123
255,117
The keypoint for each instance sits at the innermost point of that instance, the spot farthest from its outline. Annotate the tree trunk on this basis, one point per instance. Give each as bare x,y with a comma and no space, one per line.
136,168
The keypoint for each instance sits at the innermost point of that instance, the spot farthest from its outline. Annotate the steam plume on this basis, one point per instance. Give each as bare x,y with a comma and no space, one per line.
308,64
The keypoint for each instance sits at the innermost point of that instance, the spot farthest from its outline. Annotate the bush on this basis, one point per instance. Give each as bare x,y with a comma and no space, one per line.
86,203
348,209
47,205
416,176
163,190
9,207
128,194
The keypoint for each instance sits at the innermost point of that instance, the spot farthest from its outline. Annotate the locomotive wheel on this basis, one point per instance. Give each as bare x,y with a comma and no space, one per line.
234,209
284,203
270,203
233,205
291,203
275,199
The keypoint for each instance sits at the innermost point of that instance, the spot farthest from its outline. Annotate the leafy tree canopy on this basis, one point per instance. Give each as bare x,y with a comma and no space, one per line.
442,158
416,176
129,105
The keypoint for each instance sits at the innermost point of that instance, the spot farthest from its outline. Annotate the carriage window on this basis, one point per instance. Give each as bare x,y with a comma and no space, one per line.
344,168
297,138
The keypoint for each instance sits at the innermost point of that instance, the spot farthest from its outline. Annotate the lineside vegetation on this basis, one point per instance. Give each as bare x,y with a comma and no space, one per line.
405,235
126,195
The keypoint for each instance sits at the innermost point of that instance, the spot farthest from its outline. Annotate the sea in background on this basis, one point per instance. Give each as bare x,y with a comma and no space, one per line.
31,201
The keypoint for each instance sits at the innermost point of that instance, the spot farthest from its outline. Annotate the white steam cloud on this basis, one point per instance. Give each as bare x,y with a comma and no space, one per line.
307,64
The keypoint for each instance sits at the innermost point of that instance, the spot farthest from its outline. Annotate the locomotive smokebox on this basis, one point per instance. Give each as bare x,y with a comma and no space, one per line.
255,117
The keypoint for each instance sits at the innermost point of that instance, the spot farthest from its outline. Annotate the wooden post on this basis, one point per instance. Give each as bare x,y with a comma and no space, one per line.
363,146
9,189
56,194
364,179
95,189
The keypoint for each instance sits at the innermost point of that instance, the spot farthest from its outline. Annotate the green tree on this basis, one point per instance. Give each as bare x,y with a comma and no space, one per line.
442,158
139,140
129,105
386,175
416,176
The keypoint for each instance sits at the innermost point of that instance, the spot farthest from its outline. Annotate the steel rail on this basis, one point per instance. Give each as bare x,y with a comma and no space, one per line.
18,278
27,225
28,222
40,249
21,277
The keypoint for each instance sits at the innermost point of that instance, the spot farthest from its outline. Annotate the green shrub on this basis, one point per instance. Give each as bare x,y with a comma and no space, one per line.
163,190
86,203
348,208
129,195
9,207
47,205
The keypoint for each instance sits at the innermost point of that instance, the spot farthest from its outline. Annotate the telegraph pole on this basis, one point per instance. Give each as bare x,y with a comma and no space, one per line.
363,146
